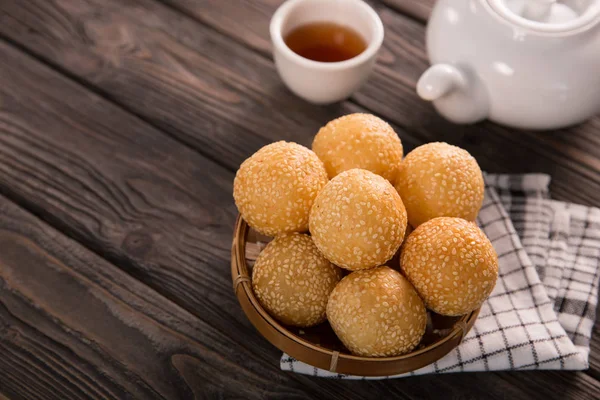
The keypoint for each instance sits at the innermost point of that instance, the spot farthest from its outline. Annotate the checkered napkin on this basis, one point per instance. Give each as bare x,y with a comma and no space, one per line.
542,310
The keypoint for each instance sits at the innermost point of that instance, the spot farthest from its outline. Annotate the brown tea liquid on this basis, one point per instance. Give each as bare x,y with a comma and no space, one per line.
325,42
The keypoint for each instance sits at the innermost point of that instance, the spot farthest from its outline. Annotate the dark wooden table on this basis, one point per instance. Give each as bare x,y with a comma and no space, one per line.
122,123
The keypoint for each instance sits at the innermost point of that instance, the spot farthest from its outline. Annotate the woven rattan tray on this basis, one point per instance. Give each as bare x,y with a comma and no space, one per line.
318,346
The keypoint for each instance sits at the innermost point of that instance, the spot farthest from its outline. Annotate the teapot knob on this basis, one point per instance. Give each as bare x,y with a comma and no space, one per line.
537,10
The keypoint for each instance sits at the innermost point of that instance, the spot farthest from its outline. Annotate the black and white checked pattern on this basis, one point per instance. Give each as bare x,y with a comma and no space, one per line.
542,310
563,242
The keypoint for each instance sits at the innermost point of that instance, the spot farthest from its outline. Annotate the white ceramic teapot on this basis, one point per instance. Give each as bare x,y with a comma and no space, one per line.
532,64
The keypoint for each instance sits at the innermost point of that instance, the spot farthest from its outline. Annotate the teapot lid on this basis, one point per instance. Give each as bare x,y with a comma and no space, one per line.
548,16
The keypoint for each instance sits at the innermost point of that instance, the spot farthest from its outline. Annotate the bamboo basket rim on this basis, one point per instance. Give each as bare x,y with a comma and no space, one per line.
239,269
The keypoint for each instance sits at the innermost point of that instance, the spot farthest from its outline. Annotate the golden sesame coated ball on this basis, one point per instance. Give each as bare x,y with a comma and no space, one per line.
358,220
451,263
292,280
440,180
275,188
377,313
359,141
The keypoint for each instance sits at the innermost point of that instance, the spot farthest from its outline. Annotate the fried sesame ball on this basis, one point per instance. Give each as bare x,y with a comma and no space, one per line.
275,188
451,263
440,180
359,141
292,280
377,313
358,220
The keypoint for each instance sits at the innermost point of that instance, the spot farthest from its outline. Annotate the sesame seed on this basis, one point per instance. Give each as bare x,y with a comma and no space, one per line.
369,326
442,281
359,141
425,175
330,223
283,178
292,280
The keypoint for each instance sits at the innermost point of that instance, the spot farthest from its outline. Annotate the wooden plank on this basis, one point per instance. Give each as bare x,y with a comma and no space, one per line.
417,9
182,77
224,15
594,359
570,155
74,326
159,209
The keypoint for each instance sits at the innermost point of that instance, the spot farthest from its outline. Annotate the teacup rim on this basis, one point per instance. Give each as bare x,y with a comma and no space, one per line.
276,26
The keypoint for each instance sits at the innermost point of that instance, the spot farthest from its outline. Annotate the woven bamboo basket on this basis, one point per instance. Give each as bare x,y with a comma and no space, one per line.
318,346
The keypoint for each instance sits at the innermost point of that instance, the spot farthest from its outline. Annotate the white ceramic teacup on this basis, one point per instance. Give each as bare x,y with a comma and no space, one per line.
325,82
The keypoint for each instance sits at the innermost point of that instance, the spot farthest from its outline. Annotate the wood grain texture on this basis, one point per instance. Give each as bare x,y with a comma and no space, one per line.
568,155
73,326
160,210
417,9
187,79
150,205
157,209
594,359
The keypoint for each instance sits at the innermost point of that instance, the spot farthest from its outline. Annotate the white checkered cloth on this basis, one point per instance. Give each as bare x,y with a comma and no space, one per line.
542,310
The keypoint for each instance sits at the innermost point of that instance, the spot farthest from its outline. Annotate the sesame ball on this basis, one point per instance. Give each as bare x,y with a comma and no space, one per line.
377,313
451,263
358,220
359,141
440,180
275,188
292,280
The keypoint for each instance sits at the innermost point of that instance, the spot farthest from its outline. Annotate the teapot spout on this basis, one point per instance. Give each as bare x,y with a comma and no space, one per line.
457,95
439,80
